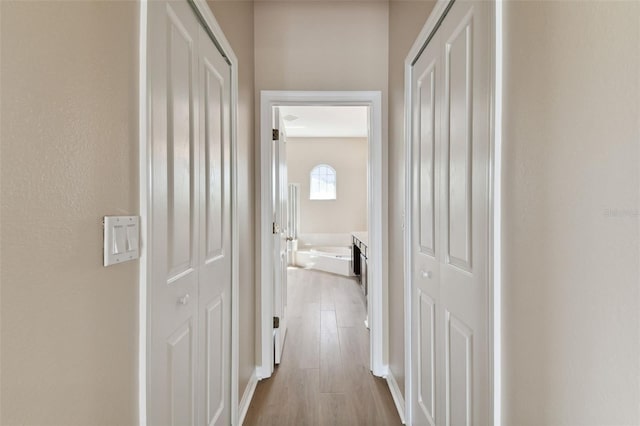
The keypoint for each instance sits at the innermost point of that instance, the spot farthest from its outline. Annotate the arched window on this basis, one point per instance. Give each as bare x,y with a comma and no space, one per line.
323,183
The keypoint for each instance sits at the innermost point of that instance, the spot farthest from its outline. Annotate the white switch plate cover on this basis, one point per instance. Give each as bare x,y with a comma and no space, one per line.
121,239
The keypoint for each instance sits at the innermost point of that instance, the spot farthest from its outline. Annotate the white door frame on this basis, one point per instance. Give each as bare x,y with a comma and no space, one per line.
209,23
372,99
493,217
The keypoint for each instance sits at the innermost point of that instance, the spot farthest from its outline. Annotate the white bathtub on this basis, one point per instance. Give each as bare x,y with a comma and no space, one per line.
336,260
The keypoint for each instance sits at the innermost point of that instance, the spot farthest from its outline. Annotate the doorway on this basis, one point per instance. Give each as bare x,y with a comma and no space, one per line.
326,176
271,284
326,225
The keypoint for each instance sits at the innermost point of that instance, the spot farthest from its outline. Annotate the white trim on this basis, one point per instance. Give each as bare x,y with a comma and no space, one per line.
497,217
377,141
397,396
145,203
493,259
247,396
408,217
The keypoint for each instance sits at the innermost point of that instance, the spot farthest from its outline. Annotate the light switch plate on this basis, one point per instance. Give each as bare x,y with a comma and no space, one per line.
121,239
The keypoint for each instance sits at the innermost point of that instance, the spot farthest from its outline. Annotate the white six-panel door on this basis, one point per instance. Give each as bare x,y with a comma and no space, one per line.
450,201
190,240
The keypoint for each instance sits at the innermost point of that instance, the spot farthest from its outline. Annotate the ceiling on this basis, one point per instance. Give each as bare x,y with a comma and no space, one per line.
325,121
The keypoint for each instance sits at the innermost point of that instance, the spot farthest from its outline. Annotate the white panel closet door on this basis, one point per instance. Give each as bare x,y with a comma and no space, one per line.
427,251
465,193
215,235
189,241
451,92
173,242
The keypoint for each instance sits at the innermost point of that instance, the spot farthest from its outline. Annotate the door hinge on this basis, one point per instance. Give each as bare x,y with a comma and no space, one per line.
275,229
275,134
276,322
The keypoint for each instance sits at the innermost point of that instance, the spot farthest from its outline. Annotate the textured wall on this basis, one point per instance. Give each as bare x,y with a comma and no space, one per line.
236,20
348,156
406,19
571,305
69,156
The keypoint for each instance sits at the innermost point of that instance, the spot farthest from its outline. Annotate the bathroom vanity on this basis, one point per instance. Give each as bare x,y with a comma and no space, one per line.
359,255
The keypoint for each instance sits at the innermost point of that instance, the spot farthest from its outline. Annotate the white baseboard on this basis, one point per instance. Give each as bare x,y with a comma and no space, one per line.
247,396
398,399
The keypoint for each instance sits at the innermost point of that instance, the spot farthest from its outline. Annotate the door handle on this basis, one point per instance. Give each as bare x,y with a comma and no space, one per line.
289,238
184,299
426,274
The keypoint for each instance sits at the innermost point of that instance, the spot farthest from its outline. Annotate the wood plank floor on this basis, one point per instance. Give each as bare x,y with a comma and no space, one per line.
324,376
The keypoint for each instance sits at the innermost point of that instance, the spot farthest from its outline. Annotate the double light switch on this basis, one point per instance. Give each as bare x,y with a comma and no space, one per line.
121,239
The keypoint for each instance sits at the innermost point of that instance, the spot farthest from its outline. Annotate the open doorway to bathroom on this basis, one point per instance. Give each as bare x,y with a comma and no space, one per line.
327,213
321,211
326,161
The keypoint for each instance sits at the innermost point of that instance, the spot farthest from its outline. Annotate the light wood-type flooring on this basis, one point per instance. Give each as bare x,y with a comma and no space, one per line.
324,376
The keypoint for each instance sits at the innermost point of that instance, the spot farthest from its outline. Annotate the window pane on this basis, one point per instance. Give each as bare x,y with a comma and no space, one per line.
322,183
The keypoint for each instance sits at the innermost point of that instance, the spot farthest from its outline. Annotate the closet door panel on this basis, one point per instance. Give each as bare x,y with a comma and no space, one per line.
459,114
426,102
189,354
464,282
173,249
450,90
215,236
426,251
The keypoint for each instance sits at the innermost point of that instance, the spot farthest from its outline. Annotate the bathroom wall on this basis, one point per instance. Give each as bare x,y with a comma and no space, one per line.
348,156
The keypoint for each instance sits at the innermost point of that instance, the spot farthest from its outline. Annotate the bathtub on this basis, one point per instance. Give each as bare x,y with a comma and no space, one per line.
336,260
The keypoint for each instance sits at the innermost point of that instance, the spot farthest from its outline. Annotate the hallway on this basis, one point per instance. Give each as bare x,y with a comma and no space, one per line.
324,377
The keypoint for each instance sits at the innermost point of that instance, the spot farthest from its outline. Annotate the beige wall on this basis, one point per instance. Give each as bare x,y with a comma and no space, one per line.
406,19
69,156
324,45
236,20
348,156
321,45
571,306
